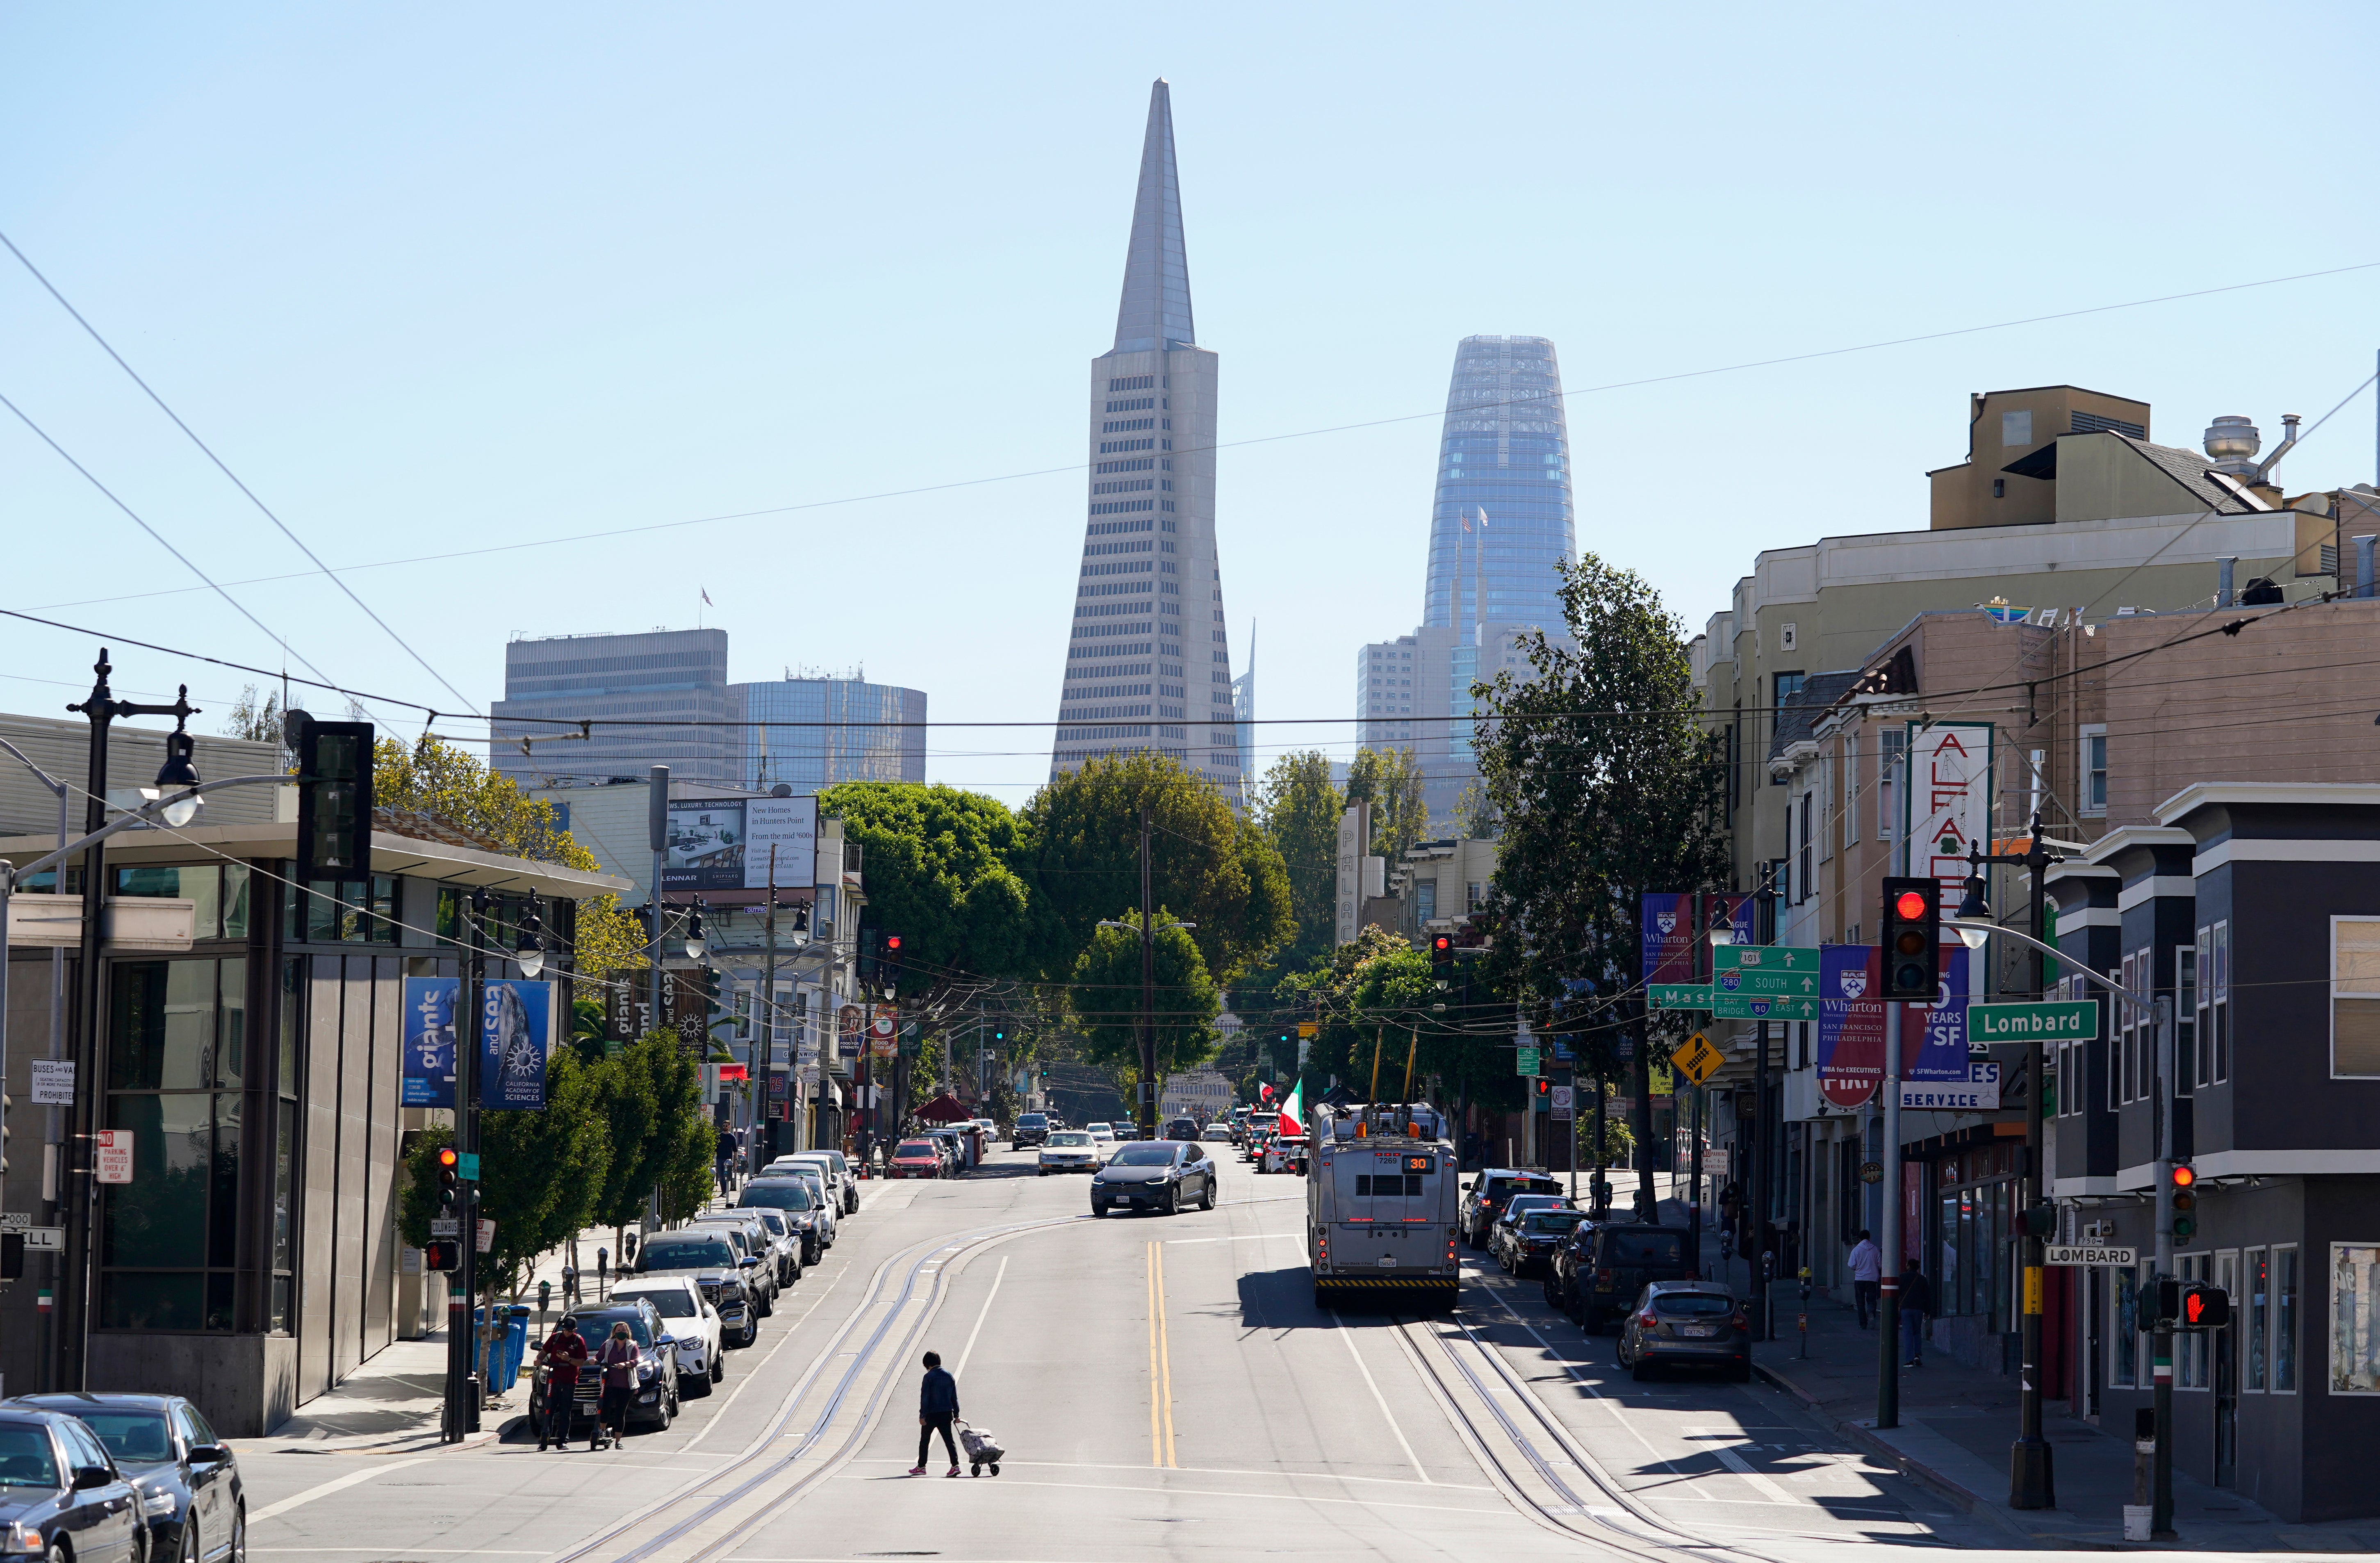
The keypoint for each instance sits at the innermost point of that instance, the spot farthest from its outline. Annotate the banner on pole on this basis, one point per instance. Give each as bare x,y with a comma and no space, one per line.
1665,929
428,1043
1852,1021
515,1035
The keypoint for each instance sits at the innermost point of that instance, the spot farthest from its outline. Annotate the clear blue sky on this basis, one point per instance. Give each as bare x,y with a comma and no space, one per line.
437,278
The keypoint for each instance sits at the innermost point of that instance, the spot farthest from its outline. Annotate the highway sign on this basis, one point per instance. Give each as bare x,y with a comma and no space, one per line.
1528,1061
2078,1253
2063,1021
1678,995
1697,1059
1765,982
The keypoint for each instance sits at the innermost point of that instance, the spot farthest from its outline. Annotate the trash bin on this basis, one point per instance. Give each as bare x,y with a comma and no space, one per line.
508,1349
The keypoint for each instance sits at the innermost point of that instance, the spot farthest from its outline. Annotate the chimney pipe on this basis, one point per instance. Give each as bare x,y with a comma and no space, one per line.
2288,438
2364,562
2223,568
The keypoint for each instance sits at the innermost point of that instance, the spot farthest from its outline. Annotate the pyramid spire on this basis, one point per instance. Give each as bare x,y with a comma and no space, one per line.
1154,311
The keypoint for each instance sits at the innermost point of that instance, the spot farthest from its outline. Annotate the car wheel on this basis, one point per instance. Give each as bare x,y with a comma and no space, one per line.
719,1367
1099,1208
1173,1201
238,1535
1042,1173
695,1388
1641,1370
190,1548
1207,1198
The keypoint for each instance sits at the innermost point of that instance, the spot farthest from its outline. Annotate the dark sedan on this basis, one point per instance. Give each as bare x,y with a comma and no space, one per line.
1529,1243
652,1401
191,1490
61,1495
1686,1323
1155,1175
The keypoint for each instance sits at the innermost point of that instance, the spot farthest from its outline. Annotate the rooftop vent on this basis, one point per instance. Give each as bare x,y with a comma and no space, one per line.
2231,444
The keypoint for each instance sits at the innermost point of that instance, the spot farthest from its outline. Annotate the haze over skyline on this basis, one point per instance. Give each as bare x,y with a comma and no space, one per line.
448,280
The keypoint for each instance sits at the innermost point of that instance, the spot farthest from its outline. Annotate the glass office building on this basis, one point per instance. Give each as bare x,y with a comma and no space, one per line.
873,732
666,677
1502,519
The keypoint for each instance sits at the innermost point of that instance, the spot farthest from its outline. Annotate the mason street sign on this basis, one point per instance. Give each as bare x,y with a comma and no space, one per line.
2065,1020
1678,995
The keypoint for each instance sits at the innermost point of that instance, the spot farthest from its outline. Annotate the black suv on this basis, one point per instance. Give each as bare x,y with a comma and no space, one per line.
1484,1198
1032,1129
1604,1267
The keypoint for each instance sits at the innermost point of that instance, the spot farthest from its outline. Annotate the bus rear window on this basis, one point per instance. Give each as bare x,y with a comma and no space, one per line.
1386,1185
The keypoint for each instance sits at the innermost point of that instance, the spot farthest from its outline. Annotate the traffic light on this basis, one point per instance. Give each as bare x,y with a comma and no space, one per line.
891,967
12,1256
2037,1221
442,1254
1442,959
2185,1200
450,1178
2203,1306
335,796
1541,1091
1913,932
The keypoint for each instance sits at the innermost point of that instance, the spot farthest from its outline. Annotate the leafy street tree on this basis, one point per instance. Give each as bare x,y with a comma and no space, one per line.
939,873
257,718
642,1142
1300,804
540,1173
437,781
1606,785
1378,992
1079,852
1390,780
1105,997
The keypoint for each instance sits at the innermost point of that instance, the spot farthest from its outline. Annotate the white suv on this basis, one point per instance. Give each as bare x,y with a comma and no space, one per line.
688,1316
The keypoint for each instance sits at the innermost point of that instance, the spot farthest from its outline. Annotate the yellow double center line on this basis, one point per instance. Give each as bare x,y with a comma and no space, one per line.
1160,1365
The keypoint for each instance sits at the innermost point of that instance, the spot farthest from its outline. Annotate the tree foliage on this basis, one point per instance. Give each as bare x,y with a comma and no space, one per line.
1299,806
540,1172
1606,786
1105,999
1079,852
1375,993
1390,780
257,718
938,869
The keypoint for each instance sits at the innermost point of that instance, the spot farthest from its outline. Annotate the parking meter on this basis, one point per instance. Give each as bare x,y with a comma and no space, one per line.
602,1271
544,1300
627,1248
570,1284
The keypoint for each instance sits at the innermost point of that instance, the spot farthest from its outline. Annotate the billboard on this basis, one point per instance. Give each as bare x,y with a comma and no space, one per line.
705,845
788,824
515,1034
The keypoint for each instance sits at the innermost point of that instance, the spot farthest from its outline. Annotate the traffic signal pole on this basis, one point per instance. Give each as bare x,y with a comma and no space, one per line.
1887,1309
462,1413
2161,1489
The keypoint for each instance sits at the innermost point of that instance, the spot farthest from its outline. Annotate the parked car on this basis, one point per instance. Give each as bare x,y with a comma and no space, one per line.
1519,1205
1529,1243
1179,1129
1686,1323
954,1152
191,1496
839,1192
1162,1175
1032,1128
822,1200
752,1239
1072,1150
652,1401
1484,1198
690,1315
61,1492
1600,1267
1284,1153
716,1269
1125,1130
915,1158
791,1199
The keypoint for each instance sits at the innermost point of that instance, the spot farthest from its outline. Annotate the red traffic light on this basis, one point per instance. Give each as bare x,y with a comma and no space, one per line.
1441,943
447,1158
892,941
2183,1177
1910,905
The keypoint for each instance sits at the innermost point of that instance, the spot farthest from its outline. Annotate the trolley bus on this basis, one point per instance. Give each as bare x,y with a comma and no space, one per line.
1381,1196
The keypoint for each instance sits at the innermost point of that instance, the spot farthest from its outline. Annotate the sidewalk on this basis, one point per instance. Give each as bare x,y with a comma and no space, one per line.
1957,1424
393,1401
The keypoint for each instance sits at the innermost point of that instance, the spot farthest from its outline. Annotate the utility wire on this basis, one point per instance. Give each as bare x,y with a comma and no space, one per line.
207,452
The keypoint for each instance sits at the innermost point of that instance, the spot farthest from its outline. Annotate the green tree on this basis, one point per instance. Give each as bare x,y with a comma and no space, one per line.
1299,806
685,1138
1607,786
1079,852
938,872
540,1173
642,1139
1390,780
1105,997
257,718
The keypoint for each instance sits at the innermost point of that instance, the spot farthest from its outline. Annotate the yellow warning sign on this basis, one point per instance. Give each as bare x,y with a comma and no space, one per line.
1307,1028
1697,1059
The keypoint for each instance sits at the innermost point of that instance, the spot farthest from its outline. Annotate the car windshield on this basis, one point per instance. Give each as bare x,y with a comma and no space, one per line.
138,1436
777,1193
835,1157
1555,1222
1032,1121
1070,1137
668,1301
682,1255
914,1148
1148,1153
736,1235
596,1326
1646,1248
770,1219
25,1458
1693,1304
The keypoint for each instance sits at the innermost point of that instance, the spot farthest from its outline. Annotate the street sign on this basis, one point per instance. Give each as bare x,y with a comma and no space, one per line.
54,1082
467,1166
15,1220
1696,1059
486,1234
114,1155
2063,1021
1561,1100
1715,1161
1308,1029
1678,995
1526,1061
2078,1254
44,1240
1765,982
445,1226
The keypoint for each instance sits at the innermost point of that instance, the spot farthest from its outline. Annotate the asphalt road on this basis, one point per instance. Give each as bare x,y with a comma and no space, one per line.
1163,1386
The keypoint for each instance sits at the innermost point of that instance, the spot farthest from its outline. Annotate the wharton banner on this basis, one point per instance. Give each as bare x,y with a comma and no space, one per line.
515,1035
1851,1025
1666,930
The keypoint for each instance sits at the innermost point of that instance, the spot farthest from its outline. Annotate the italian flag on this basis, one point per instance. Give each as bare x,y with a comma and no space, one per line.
1292,1112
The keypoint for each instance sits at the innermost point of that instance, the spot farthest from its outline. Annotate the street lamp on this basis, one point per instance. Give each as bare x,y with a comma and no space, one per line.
176,772
530,956
1976,906
695,944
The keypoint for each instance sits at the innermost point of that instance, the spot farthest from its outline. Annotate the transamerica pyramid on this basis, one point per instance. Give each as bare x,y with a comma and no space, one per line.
1148,666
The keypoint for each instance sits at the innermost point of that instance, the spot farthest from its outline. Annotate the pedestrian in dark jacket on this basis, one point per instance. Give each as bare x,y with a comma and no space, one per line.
1916,1302
938,1407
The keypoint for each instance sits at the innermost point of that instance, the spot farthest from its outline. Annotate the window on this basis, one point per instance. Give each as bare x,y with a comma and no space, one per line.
1999,488
176,1053
1426,900
1790,685
2285,1320
2354,996
218,890
2354,1318
2128,1045
2090,771
1851,788
346,912
1803,876
2016,428
2255,1311
2219,1042
2195,1003
1826,793
2187,1059
1889,747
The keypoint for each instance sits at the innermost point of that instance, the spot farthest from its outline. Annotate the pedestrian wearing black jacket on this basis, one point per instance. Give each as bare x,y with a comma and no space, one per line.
938,1407
1916,1302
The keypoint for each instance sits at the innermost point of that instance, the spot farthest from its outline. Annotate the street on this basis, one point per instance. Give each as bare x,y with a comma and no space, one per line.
1162,1386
